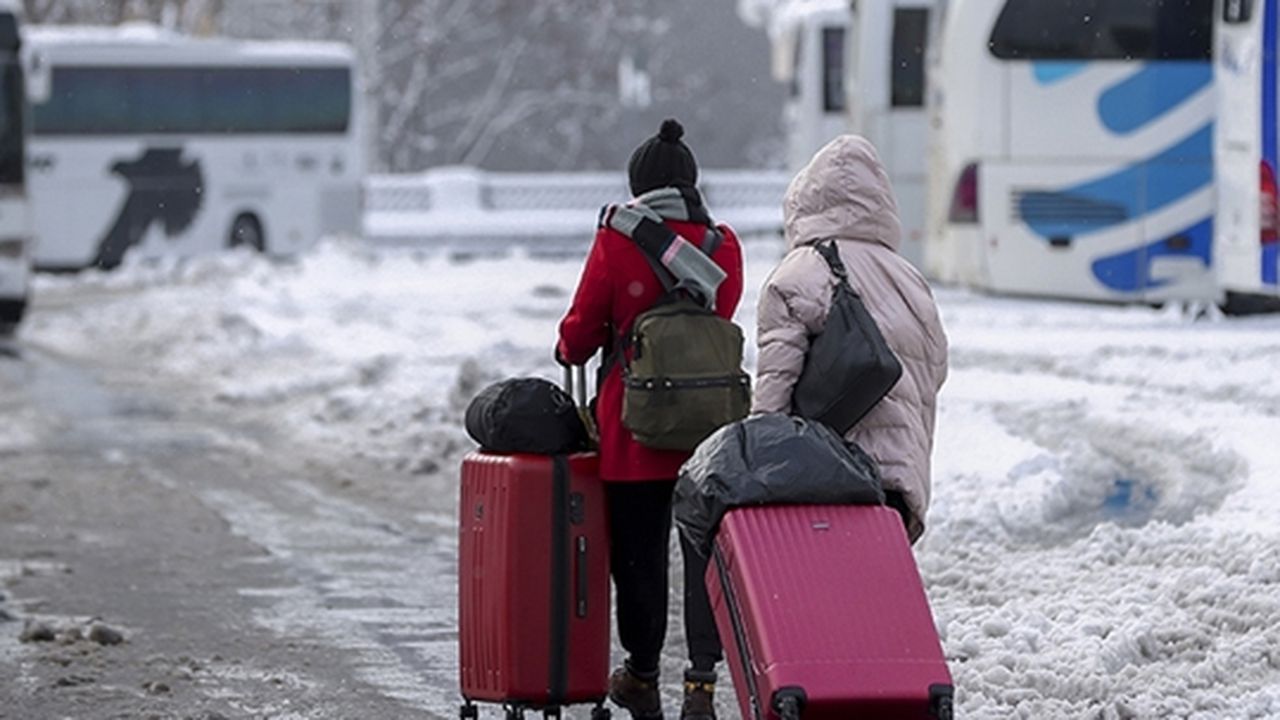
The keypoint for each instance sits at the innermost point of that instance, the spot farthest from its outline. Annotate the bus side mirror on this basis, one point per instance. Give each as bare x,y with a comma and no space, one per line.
39,76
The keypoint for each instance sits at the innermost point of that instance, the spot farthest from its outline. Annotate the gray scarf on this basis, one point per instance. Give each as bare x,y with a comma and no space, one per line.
668,253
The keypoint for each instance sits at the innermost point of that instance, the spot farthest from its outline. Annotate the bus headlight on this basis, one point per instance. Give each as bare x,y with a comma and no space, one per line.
12,249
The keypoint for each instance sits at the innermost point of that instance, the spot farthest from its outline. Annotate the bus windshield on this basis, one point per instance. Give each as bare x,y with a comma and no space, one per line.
1104,30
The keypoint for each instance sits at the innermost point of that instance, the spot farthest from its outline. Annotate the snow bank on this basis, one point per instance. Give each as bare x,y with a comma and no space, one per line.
1102,540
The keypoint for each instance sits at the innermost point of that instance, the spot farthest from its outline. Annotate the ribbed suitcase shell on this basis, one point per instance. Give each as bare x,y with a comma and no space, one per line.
505,581
828,600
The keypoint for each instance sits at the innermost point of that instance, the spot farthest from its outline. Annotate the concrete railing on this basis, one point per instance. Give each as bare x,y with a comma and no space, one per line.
470,209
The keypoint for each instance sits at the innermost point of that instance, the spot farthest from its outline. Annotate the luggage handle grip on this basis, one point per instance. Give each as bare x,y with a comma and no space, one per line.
580,572
575,383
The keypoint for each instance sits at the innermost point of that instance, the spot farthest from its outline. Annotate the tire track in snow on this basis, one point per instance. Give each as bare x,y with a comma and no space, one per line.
1092,368
1092,470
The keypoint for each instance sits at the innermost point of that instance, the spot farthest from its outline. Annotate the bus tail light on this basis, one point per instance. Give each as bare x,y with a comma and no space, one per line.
964,199
1268,206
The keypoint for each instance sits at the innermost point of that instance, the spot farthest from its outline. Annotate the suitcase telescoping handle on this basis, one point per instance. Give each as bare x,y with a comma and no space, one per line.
575,383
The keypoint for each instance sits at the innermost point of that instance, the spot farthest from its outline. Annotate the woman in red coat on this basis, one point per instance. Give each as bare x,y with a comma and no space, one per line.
617,284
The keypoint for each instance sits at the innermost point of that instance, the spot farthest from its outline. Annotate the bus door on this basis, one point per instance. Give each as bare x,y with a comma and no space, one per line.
906,132
817,112
887,101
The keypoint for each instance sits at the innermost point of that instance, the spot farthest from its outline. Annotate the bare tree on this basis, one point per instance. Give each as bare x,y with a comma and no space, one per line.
193,16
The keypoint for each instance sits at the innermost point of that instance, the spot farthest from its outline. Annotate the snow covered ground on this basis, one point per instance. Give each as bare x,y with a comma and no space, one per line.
1103,541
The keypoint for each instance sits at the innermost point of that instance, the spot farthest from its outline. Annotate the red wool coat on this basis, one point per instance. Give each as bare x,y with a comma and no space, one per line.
618,284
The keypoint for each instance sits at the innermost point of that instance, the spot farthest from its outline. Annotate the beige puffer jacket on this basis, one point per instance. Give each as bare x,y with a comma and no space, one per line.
844,194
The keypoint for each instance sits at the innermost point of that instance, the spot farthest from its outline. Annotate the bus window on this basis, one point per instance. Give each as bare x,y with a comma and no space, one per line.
833,99
196,100
173,97
1104,30
910,26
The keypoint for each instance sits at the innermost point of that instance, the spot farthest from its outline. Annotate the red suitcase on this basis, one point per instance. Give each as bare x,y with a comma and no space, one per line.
823,615
533,583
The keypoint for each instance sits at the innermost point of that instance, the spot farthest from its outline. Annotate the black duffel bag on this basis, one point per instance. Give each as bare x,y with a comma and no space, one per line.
849,366
529,415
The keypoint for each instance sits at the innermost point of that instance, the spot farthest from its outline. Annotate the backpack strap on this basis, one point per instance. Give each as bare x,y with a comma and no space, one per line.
711,241
665,277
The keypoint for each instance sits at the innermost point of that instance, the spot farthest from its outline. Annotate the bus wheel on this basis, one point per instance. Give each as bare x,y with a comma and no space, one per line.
247,231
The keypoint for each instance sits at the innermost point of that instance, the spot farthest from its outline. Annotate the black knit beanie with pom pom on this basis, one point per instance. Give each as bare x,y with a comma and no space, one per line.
662,161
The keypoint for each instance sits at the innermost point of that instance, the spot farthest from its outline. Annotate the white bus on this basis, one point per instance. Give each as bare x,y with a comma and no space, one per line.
149,142
1071,148
809,40
15,258
860,67
1247,234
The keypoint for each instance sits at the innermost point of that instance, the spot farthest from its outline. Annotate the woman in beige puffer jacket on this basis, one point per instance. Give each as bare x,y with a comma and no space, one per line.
844,194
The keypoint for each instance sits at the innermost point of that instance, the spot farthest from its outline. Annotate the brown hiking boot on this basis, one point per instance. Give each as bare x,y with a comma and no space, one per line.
635,694
699,696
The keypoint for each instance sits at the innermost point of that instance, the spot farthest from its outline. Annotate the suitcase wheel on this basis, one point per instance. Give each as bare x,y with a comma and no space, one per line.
551,712
468,712
789,702
941,698
600,712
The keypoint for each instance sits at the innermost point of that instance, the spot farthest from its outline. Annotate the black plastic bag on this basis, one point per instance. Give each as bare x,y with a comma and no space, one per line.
771,459
529,415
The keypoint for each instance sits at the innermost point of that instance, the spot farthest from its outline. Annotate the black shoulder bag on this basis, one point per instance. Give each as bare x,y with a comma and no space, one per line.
849,367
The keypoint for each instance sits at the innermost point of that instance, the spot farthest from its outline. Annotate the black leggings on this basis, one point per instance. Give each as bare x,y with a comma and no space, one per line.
639,536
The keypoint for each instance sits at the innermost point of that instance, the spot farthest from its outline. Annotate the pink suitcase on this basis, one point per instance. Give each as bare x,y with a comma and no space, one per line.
823,615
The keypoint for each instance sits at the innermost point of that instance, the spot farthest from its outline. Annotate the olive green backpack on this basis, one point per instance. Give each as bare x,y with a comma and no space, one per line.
684,379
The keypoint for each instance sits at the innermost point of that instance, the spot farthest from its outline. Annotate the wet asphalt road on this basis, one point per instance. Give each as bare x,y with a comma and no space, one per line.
249,578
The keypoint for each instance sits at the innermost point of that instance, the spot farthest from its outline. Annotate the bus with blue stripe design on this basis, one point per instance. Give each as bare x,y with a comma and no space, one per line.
1247,236
1071,148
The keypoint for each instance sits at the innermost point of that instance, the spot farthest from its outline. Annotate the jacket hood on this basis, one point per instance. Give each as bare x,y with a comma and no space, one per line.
843,192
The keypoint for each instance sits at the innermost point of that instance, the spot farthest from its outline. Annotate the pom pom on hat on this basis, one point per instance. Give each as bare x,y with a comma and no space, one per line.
671,130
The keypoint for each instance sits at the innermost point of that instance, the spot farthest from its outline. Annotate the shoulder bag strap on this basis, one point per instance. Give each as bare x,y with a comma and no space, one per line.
829,253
